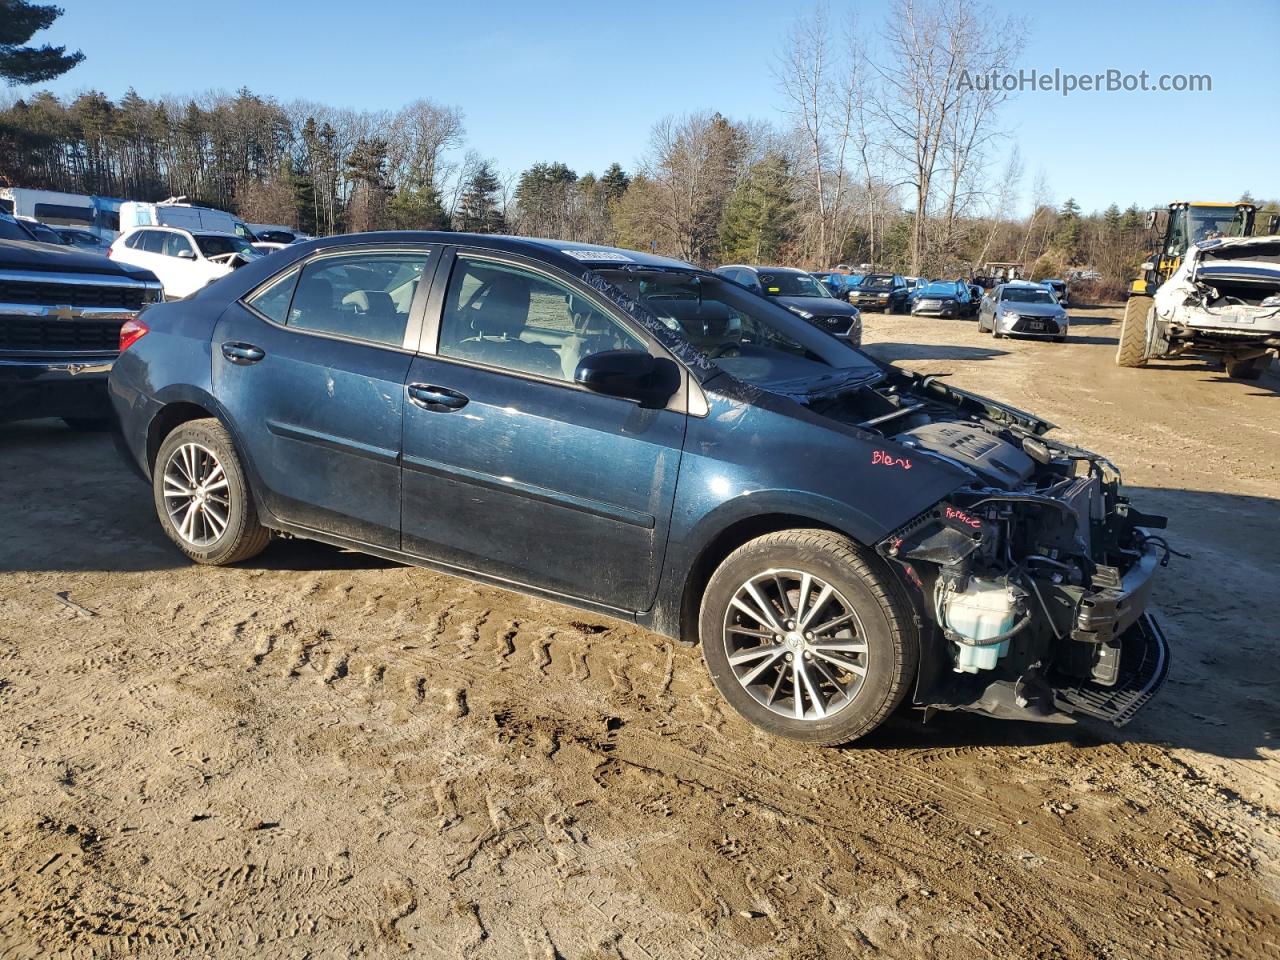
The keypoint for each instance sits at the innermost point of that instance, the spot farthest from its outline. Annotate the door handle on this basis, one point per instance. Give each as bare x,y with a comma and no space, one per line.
242,353
438,399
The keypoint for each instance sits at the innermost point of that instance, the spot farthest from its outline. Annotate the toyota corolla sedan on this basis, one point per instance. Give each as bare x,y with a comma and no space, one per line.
634,436
1022,309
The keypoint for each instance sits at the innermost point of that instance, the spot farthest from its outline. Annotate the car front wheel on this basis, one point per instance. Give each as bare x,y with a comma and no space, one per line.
202,496
808,637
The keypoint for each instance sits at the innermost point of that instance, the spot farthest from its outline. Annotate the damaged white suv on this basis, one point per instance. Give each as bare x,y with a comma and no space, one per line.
1222,301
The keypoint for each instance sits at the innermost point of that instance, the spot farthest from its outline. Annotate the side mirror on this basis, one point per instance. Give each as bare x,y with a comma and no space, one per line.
629,374
186,254
1148,265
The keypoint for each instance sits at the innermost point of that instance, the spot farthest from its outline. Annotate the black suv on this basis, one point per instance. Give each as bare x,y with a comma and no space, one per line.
881,291
61,311
803,294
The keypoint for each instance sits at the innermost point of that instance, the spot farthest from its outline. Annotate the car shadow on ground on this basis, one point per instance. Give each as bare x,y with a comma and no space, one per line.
69,503
890,351
1087,319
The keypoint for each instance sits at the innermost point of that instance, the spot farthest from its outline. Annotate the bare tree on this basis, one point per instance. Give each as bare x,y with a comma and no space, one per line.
926,98
1003,203
695,162
820,102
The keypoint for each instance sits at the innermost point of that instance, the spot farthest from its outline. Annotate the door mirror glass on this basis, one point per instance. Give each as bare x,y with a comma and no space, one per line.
630,374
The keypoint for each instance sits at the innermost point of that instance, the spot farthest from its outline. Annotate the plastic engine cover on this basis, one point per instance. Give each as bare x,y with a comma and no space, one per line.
998,462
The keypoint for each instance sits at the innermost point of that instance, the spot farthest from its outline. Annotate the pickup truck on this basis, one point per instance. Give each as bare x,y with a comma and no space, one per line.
61,311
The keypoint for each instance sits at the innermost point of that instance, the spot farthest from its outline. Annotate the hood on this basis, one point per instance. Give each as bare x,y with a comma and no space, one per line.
46,258
818,306
1033,309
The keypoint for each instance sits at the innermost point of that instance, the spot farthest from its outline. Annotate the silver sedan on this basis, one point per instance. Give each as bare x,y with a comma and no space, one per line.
1021,309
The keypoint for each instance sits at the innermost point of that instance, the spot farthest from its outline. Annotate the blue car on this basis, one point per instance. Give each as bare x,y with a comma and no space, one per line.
638,437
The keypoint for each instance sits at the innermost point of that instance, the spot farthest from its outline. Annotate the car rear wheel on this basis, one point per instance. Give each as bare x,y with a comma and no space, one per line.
1132,349
202,496
808,637
1250,369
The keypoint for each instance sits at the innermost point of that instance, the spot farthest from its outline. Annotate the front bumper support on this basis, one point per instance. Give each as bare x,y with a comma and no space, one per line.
1143,666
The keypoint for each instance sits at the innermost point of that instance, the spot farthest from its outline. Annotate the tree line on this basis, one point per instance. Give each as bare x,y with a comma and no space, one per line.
881,154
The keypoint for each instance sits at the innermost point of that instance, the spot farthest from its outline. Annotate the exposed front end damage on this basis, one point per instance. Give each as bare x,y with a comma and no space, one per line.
1032,579
1223,300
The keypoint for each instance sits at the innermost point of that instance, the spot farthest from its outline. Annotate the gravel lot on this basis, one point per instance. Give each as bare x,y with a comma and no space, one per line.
319,754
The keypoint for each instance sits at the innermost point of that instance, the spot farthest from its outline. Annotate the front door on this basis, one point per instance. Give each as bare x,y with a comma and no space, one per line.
311,368
513,470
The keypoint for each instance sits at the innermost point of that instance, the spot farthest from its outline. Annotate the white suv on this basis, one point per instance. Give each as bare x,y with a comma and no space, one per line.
184,260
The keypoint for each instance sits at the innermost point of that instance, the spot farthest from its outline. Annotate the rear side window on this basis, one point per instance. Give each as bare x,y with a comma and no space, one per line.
175,243
362,295
273,301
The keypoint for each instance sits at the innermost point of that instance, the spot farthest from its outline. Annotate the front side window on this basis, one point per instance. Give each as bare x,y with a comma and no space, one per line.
505,316
366,296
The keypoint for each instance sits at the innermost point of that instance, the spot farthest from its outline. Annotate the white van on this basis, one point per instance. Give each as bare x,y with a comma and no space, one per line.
175,212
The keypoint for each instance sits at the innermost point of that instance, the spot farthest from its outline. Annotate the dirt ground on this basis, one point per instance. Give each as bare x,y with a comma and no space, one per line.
319,754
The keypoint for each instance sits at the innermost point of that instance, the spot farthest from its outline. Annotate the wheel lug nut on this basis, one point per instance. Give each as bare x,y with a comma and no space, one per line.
790,657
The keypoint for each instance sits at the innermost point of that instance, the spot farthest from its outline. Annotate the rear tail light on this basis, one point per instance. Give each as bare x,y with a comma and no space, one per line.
131,331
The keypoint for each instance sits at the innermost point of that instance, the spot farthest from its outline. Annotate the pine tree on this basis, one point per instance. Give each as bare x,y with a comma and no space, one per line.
478,210
759,215
614,182
21,65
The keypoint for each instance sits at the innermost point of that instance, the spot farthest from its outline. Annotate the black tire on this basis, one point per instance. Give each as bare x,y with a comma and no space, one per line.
1132,349
1250,369
884,624
242,536
88,424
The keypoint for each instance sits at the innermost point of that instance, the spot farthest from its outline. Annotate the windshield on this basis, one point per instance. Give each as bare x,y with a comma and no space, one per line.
940,289
1210,223
1026,295
877,282
751,339
782,284
217,244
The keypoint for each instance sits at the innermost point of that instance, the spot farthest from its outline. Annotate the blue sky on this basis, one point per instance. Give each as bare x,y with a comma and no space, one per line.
583,82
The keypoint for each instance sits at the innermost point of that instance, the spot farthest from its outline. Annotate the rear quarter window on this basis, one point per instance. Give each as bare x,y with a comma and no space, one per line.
272,301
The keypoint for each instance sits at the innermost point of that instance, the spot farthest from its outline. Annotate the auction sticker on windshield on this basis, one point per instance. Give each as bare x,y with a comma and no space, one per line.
598,255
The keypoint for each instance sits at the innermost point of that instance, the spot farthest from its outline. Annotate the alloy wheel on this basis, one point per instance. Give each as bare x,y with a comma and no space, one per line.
795,644
196,494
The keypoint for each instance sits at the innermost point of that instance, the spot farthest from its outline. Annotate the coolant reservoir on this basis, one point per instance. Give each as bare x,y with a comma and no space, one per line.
984,610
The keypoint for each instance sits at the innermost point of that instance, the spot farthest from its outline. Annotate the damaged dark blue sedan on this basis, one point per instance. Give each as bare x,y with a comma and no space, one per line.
635,436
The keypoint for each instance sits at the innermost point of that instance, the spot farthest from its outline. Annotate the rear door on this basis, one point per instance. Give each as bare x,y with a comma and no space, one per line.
311,367
513,470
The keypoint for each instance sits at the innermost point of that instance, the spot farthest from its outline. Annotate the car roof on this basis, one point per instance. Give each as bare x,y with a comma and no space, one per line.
563,253
746,266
